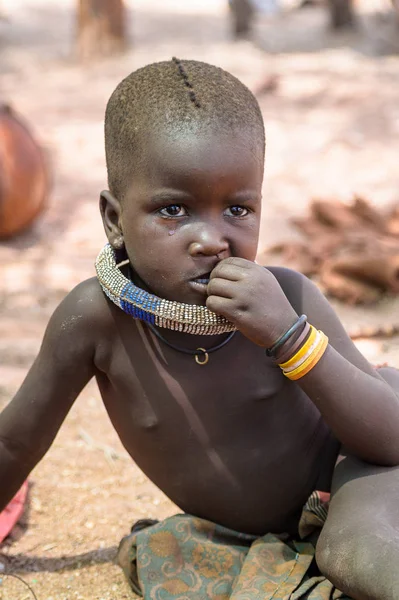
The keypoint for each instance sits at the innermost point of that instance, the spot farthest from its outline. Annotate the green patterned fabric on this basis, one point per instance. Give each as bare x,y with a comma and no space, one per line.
187,558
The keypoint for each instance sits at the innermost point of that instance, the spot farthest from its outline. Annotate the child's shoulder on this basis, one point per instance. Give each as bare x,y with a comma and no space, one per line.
88,295
284,275
307,298
294,284
82,315
86,301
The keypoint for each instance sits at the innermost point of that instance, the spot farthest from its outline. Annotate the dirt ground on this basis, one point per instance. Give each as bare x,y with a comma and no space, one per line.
332,130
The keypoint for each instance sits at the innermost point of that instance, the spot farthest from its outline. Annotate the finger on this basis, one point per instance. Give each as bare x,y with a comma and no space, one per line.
221,306
238,261
227,271
220,287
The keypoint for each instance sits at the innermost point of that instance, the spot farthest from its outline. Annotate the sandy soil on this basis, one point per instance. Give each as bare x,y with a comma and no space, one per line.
333,127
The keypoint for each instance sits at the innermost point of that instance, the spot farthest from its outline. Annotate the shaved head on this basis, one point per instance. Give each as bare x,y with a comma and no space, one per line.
176,97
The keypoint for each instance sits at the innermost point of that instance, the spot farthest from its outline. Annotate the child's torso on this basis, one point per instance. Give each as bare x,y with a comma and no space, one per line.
232,441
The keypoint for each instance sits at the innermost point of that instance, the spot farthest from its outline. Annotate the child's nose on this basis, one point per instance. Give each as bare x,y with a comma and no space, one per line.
208,242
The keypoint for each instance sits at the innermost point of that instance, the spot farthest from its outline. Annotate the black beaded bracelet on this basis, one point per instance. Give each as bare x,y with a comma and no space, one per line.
300,321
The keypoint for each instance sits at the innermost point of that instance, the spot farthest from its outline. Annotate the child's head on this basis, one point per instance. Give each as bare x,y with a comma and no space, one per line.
184,145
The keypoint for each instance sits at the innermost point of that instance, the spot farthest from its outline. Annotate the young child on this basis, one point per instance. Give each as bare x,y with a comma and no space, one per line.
175,328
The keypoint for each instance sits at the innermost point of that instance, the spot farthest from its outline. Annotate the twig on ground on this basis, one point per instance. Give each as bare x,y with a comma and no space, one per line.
110,453
20,579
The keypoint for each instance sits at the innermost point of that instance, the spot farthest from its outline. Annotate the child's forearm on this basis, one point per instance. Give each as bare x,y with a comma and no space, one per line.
19,447
362,410
28,426
13,471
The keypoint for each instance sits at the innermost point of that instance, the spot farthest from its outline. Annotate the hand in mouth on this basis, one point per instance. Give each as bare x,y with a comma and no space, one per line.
201,281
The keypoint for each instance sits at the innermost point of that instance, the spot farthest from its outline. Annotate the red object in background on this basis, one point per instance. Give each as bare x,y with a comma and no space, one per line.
24,180
13,512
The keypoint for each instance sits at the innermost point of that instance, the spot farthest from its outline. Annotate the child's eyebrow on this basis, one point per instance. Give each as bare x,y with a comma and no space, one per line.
172,195
169,195
246,196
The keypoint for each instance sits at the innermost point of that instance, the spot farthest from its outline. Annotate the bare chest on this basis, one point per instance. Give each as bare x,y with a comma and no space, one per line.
233,435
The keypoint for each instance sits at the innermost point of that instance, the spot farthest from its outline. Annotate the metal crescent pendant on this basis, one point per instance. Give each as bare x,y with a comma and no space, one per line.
205,359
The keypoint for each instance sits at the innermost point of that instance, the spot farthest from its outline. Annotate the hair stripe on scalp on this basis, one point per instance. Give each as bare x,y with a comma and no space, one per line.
183,74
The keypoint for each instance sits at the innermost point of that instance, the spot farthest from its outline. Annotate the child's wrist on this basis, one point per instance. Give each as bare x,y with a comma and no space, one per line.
305,354
292,345
289,333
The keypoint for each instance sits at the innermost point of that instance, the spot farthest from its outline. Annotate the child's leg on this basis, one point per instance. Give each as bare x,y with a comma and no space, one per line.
358,549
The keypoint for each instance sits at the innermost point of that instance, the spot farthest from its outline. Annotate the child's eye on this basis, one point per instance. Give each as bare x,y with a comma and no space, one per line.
173,210
236,211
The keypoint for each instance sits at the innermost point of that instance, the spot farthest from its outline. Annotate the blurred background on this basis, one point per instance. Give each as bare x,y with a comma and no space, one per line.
326,75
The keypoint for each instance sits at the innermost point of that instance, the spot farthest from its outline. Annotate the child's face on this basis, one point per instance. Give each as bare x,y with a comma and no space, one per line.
195,201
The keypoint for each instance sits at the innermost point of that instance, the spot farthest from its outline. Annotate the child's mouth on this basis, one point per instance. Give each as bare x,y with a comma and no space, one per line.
202,281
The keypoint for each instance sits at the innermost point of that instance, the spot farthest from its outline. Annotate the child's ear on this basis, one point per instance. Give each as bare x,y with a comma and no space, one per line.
110,209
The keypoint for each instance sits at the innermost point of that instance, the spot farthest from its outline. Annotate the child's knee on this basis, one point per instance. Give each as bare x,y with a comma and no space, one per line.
360,558
334,552
345,553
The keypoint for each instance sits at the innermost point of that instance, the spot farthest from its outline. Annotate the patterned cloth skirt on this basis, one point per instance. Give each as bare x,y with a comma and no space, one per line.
187,558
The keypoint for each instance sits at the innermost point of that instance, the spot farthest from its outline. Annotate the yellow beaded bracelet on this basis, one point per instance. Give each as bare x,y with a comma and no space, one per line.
307,364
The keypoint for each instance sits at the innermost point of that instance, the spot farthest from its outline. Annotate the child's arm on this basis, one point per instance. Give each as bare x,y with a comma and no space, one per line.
359,406
30,422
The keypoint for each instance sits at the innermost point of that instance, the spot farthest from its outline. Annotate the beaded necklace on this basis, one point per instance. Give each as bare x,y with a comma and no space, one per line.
147,307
